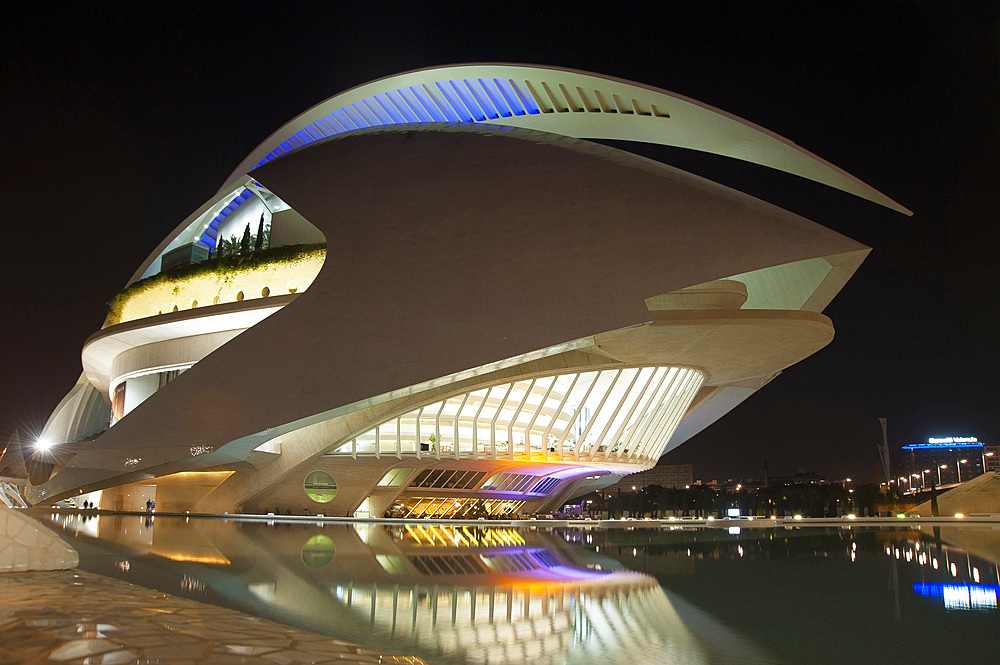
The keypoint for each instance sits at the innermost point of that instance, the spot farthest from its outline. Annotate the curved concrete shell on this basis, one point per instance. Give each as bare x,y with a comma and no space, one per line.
504,318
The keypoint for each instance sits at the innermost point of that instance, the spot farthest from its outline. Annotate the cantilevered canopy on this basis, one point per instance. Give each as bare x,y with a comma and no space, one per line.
560,101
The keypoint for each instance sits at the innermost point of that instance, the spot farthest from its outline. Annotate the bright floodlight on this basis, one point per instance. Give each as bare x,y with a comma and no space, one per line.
43,445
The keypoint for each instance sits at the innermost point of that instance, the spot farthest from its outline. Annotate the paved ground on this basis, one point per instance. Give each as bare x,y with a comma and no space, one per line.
82,618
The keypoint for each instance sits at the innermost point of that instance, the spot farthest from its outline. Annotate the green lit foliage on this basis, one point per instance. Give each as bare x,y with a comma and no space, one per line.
225,266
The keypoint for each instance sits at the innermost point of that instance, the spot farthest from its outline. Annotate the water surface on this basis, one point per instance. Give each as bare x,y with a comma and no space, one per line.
455,594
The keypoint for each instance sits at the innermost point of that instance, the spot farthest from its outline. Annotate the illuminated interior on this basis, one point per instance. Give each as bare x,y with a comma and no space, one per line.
618,415
451,507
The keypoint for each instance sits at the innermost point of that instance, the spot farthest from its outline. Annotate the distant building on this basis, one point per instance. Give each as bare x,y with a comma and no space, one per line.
942,461
675,476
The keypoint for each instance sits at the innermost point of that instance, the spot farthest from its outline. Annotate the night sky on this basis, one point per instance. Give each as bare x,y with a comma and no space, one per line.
119,119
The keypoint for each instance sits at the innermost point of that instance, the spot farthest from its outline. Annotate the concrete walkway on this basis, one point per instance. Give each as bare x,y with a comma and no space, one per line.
87,619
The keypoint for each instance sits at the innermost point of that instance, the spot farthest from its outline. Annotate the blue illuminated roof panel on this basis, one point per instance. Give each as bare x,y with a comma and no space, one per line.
463,100
210,236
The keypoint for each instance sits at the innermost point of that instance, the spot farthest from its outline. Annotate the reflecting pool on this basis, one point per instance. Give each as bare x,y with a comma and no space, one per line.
540,595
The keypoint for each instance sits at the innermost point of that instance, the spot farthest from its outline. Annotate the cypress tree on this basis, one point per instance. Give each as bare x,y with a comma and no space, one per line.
258,243
245,243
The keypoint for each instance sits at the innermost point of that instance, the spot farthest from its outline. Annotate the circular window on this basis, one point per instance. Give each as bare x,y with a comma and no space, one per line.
320,486
265,292
239,296
318,551
292,286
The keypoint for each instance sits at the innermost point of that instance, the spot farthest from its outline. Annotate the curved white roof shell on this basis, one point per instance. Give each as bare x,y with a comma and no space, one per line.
555,100
560,101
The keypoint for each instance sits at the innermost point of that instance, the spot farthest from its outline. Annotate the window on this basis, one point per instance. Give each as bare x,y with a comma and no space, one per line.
320,486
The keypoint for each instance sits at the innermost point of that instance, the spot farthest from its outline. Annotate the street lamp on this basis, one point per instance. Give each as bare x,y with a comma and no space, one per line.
923,483
943,466
916,475
959,467
985,455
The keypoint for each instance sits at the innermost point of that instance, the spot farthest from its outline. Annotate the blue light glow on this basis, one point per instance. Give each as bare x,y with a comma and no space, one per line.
525,96
391,109
461,113
210,237
378,110
510,96
417,105
960,596
467,100
496,97
426,102
366,114
482,99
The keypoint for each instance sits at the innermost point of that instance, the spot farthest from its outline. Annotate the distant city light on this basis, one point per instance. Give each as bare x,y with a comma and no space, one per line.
969,597
946,442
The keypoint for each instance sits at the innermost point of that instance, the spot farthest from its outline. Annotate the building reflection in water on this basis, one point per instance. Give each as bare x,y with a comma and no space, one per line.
451,594
462,594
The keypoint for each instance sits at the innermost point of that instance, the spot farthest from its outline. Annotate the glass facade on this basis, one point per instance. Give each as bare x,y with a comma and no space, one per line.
622,415
452,507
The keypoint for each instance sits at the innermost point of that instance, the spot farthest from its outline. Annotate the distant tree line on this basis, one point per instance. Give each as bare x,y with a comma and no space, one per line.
784,499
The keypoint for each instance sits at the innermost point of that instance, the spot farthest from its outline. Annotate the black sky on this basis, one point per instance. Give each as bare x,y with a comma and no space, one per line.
119,119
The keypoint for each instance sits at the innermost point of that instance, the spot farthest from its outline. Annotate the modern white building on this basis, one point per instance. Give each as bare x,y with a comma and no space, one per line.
433,295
